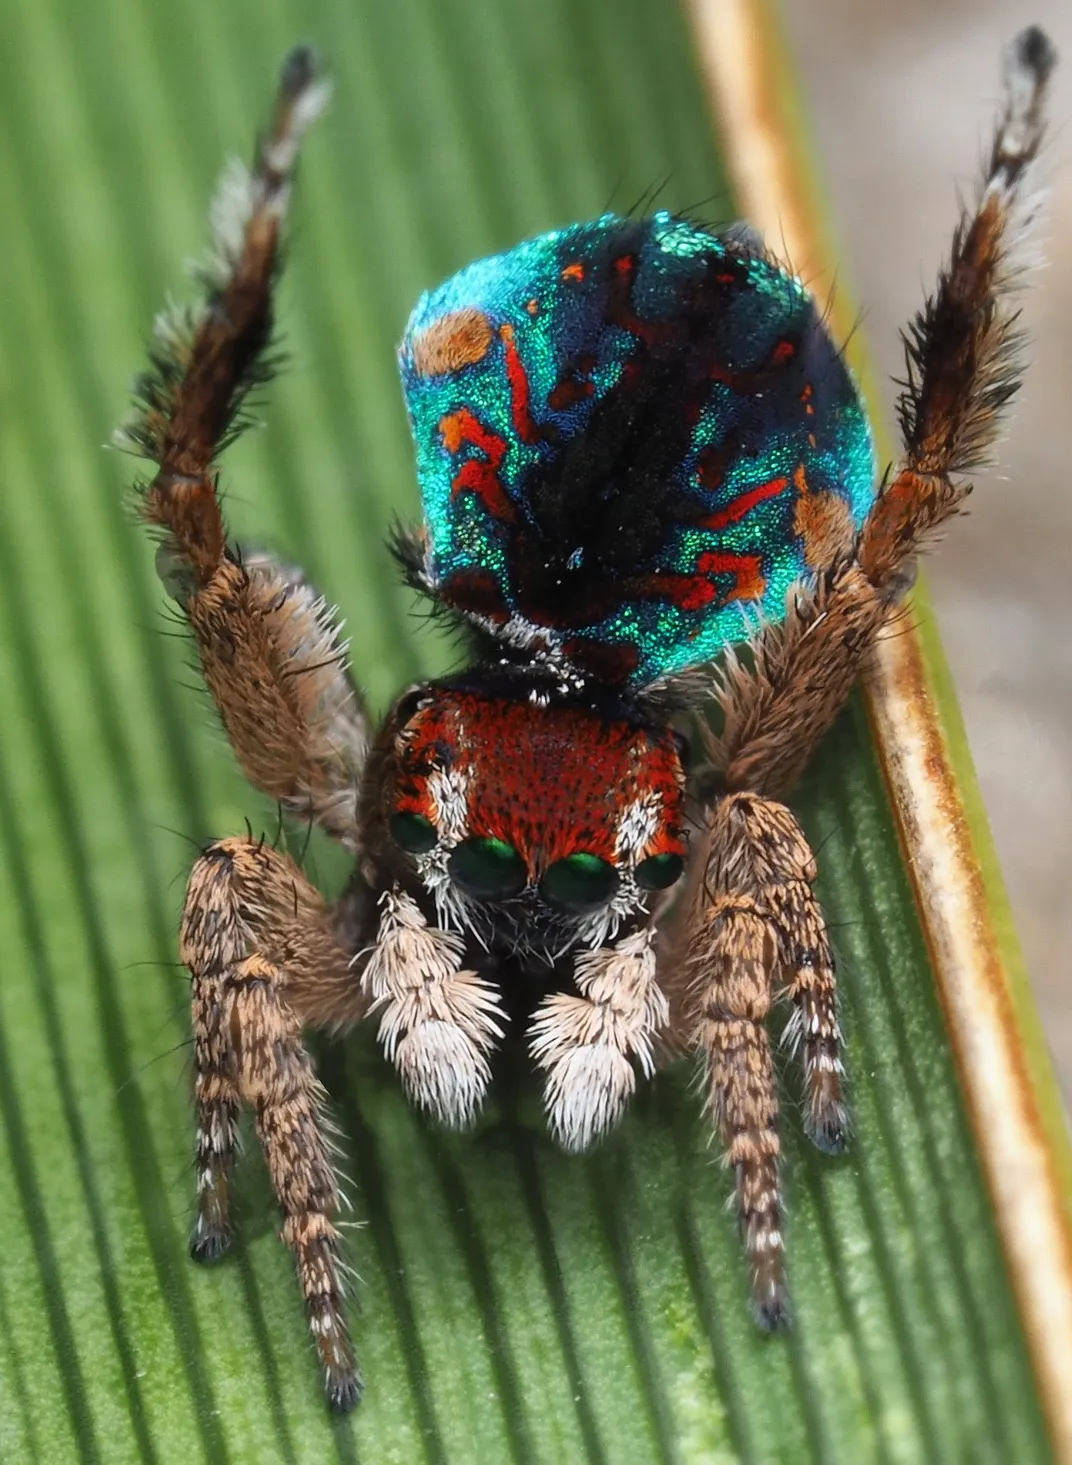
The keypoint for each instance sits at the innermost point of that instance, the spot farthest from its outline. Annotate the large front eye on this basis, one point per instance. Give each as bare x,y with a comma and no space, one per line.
487,868
413,832
580,882
658,872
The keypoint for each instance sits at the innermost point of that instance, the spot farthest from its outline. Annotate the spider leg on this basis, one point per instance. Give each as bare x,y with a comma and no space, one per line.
963,349
272,657
755,919
265,958
753,928
269,647
963,356
587,1042
814,1032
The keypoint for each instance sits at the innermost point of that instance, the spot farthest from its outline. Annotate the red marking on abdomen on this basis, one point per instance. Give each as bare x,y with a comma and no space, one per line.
744,503
747,570
620,311
461,427
748,383
687,592
695,591
479,476
481,479
520,396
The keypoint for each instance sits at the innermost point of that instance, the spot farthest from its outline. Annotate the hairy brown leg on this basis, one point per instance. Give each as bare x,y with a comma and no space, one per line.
733,953
754,929
814,1032
269,646
963,357
265,959
272,658
962,350
754,917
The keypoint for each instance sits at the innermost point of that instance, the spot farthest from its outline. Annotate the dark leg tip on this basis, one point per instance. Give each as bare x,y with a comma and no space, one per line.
300,70
344,1392
770,1295
771,1309
208,1246
829,1134
1033,50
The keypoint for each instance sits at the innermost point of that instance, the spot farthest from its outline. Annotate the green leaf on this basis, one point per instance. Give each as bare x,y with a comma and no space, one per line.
515,1303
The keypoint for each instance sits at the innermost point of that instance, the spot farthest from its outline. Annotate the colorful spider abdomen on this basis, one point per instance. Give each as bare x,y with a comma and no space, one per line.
631,435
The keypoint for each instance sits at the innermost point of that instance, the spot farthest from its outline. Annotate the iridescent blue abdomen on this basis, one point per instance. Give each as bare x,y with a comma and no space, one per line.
631,436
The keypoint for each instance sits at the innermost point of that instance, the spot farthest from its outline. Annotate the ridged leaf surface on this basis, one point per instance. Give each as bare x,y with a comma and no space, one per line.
514,1304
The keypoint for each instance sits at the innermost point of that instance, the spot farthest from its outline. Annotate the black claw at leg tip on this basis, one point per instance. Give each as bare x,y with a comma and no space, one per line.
771,1309
1033,49
210,1246
345,1393
300,70
831,1136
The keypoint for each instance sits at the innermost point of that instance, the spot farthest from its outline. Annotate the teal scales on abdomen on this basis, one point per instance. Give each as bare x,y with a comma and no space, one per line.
632,436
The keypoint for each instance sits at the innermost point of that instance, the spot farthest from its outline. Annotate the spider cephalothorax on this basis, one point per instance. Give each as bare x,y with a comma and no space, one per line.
549,824
639,451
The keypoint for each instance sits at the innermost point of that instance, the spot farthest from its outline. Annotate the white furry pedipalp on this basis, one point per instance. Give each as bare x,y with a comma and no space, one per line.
587,1043
439,1023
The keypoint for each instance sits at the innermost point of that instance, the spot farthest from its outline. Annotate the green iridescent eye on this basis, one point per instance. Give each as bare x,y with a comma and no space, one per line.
413,832
487,868
580,882
658,872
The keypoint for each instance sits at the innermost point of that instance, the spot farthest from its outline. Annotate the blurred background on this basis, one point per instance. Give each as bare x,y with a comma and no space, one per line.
899,99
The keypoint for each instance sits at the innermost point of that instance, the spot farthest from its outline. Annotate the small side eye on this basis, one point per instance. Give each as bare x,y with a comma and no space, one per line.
580,882
410,703
413,832
658,872
487,868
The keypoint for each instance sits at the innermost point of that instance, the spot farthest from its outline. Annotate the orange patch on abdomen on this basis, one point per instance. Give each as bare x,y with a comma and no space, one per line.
459,339
824,523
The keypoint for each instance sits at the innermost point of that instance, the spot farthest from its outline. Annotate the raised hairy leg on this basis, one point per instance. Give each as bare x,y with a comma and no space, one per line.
269,646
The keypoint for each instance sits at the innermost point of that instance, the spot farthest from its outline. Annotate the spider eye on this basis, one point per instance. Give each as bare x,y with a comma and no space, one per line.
658,872
580,882
410,703
487,868
413,832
